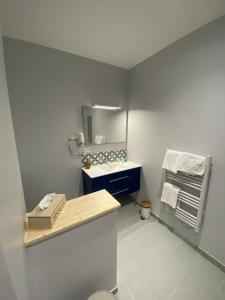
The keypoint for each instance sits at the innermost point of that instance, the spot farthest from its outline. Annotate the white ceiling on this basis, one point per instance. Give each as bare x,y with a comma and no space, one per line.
118,32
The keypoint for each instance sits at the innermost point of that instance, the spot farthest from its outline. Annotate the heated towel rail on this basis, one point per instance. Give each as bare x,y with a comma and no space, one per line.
192,196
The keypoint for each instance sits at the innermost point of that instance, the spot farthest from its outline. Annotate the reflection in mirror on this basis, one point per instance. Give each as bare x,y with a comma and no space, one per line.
103,126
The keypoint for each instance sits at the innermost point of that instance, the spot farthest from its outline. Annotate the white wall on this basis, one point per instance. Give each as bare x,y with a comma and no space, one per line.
47,90
177,101
19,265
77,263
13,277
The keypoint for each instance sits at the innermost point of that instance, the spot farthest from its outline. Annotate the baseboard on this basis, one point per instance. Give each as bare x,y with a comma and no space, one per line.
212,259
114,291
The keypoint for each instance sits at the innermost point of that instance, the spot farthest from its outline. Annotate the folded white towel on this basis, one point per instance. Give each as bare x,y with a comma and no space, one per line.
170,194
192,164
171,160
46,201
98,139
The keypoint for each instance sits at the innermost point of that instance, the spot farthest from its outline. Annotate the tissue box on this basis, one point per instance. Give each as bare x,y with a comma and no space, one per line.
44,219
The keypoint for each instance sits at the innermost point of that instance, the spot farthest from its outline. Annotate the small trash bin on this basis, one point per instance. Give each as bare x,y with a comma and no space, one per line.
145,209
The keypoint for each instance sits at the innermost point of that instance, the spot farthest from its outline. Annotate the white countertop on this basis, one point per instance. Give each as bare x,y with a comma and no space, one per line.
110,168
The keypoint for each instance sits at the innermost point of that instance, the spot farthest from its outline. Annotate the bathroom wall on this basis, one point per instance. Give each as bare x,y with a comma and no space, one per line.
47,90
177,101
17,264
13,277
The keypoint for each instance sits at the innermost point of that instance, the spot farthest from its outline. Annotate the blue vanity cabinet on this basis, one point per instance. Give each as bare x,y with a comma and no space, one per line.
117,184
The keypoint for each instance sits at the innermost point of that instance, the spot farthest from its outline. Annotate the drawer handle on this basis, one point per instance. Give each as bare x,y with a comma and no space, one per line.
113,180
120,192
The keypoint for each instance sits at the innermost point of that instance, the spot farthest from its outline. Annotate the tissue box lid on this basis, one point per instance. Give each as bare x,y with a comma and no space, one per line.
40,219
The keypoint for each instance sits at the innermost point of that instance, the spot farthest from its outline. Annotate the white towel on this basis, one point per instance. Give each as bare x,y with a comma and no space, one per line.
46,201
170,194
191,164
171,160
98,139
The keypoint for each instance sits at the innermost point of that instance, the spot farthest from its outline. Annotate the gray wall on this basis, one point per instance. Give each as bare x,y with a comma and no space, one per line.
177,101
77,263
47,89
13,280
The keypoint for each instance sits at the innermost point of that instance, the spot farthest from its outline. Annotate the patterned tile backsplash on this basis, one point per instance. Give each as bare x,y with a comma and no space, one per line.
98,158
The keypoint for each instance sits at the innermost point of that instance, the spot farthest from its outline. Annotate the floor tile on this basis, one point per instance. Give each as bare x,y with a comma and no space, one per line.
202,288
221,289
127,270
122,253
141,287
125,295
181,293
153,263
208,271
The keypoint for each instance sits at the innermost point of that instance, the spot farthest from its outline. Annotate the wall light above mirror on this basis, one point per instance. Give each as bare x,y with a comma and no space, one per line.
106,107
104,124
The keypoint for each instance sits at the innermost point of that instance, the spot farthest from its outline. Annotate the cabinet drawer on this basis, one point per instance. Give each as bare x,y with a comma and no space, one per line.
119,183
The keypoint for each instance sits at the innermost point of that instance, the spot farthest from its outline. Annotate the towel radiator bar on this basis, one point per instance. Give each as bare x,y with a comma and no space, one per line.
192,196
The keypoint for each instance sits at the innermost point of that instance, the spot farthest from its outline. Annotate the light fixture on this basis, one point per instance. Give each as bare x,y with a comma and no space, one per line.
106,107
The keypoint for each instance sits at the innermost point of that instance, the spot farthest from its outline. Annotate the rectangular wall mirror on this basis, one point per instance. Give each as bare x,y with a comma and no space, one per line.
104,126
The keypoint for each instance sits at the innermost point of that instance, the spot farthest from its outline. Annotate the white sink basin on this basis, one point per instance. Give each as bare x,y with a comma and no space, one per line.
111,167
101,170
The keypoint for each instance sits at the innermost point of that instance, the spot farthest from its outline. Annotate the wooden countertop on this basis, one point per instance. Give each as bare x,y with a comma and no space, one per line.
76,212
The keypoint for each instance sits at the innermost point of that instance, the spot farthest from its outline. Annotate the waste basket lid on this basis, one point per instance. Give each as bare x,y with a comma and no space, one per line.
145,204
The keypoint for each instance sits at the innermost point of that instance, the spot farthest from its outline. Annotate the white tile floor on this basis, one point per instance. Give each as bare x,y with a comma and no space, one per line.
153,263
